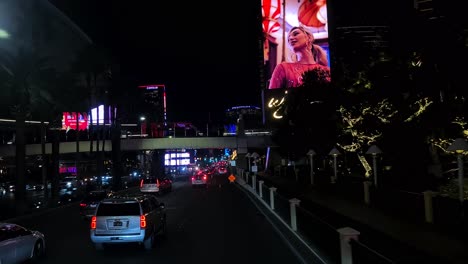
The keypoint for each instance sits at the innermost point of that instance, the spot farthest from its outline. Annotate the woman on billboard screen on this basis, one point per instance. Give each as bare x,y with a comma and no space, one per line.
308,57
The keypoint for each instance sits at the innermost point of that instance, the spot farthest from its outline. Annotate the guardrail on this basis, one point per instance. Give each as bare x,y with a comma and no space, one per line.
339,244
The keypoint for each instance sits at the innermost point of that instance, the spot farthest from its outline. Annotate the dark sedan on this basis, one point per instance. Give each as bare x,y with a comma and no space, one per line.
89,203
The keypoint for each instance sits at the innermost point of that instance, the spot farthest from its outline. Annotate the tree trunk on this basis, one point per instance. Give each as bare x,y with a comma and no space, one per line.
55,163
91,134
20,160
77,135
44,160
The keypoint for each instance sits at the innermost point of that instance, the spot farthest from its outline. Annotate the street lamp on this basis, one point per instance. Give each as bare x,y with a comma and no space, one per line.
248,155
459,146
311,154
374,151
255,156
142,118
334,152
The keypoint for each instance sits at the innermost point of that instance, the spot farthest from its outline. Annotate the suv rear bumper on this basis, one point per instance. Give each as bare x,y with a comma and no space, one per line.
111,239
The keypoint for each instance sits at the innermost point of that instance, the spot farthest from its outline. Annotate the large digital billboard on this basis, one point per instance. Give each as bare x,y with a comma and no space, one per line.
295,44
70,122
295,40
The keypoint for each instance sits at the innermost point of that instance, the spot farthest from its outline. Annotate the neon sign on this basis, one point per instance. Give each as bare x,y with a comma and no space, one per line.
71,169
69,121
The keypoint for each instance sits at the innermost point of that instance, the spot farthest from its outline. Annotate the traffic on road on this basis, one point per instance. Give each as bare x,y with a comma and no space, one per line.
217,224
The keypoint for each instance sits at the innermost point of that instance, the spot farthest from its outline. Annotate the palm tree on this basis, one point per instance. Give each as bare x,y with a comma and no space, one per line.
93,68
58,93
18,74
29,82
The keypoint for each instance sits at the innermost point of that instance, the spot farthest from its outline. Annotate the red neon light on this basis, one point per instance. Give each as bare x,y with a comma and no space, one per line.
153,86
67,170
69,121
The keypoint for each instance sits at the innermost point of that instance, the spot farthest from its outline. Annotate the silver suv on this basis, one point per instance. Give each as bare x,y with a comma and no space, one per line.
128,219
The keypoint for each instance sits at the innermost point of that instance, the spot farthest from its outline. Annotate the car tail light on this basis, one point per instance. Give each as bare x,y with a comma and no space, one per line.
157,183
141,183
204,177
193,178
93,222
142,222
82,205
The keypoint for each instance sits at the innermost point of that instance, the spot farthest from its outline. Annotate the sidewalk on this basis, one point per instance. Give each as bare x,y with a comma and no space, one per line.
422,237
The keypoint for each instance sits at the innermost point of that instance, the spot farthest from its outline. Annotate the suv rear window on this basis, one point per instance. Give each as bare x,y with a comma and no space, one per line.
149,180
118,209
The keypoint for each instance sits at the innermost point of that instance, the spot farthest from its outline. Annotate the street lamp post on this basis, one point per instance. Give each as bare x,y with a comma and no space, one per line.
459,146
374,151
311,154
142,119
255,156
248,155
334,152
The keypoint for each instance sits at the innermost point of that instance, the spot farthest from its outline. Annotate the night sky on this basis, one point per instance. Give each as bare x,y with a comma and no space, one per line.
204,52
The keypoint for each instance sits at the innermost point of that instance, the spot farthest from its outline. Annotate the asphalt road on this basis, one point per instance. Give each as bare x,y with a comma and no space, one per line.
218,224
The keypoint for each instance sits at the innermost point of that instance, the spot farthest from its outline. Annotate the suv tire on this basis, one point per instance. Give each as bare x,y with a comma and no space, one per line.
149,243
99,246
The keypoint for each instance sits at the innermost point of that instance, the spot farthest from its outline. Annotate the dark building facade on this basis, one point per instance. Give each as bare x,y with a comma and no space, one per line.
151,113
251,115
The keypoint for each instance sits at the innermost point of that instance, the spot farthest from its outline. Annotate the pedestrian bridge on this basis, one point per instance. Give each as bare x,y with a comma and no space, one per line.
239,143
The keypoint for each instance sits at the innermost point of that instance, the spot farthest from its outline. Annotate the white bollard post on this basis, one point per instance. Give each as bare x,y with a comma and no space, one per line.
272,197
292,206
346,234
428,209
260,188
367,185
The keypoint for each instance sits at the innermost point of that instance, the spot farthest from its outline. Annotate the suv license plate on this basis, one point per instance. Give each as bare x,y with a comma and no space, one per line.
117,223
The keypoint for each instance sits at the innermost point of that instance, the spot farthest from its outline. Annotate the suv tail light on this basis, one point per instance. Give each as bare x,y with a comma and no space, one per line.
142,222
93,222
157,183
141,183
82,205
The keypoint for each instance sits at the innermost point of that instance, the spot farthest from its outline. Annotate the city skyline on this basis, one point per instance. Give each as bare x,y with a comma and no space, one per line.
207,60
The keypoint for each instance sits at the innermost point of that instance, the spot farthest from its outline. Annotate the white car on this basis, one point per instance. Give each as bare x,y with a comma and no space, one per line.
19,244
199,179
149,185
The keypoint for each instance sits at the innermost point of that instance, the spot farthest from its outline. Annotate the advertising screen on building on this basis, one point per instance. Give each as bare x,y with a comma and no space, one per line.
102,115
69,121
295,45
295,40
176,159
